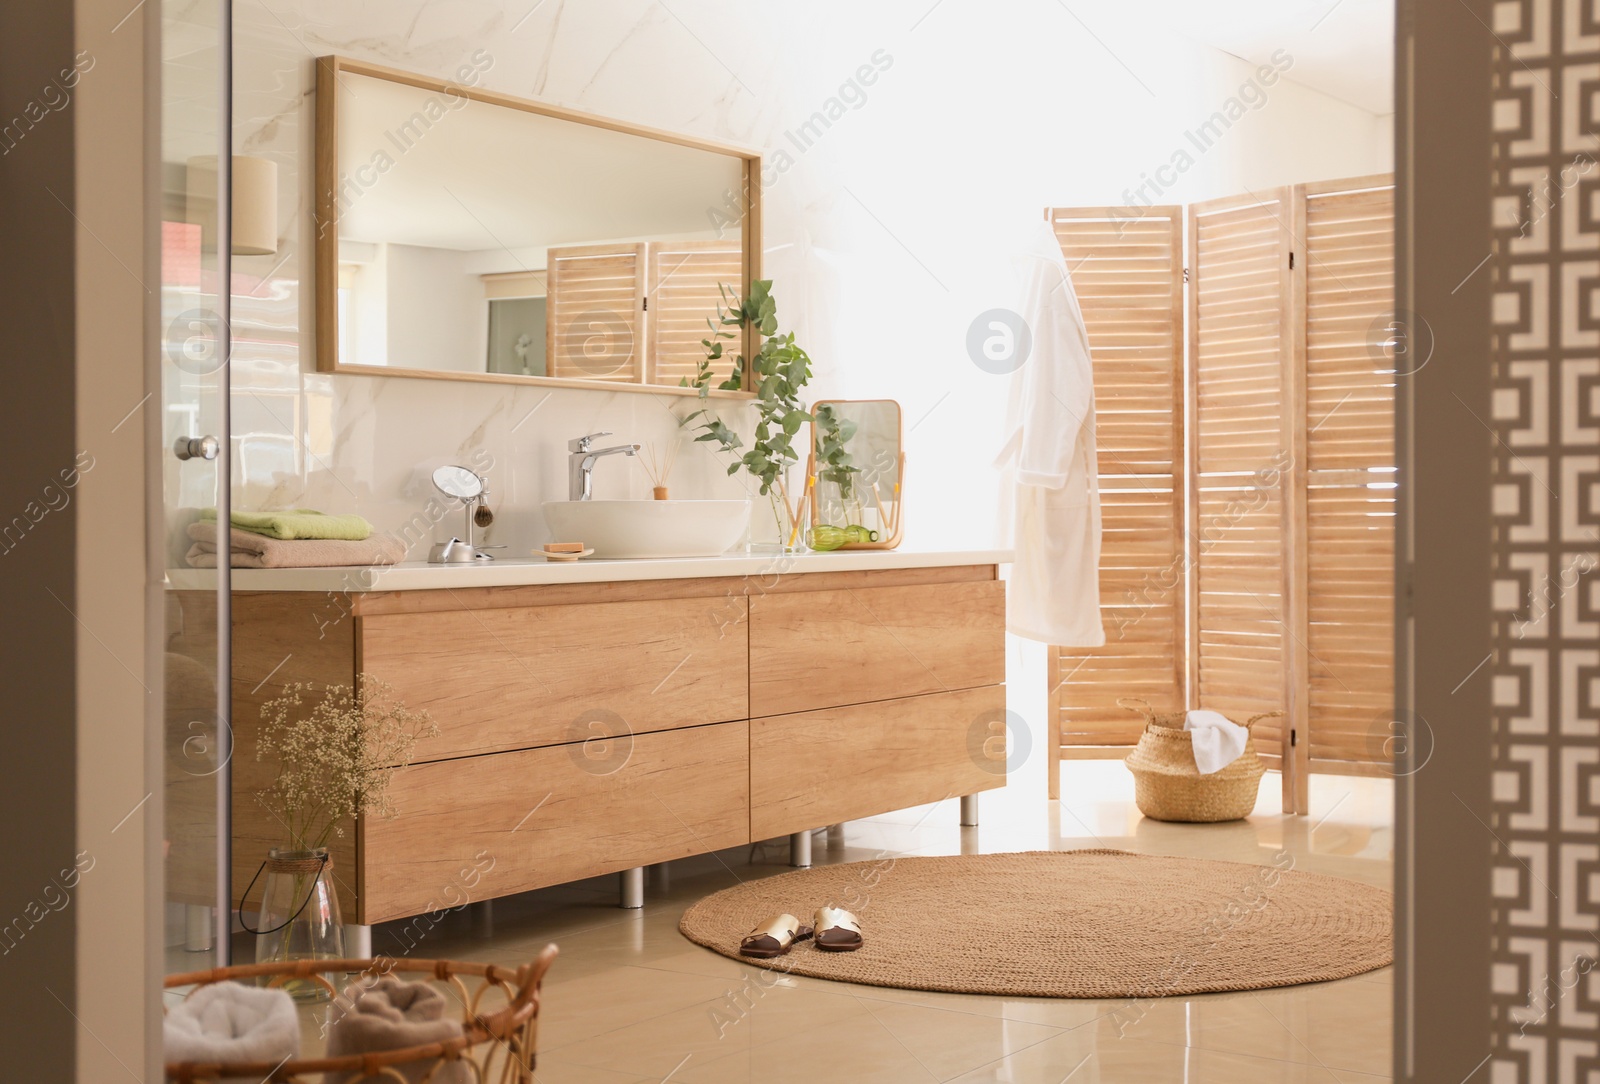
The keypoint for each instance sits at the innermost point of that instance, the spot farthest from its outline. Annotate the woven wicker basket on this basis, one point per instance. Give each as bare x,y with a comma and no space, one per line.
497,1041
1167,786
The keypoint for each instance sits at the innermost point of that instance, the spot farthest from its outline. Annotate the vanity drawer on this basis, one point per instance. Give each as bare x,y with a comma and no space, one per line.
523,677
821,649
838,764
481,827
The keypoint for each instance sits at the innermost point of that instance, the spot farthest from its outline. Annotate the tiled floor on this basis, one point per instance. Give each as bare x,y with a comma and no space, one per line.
631,1000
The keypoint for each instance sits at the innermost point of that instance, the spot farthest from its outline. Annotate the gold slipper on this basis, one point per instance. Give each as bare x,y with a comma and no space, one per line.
837,930
775,938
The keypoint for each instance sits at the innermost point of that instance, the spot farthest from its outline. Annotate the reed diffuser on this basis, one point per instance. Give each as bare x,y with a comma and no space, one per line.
658,464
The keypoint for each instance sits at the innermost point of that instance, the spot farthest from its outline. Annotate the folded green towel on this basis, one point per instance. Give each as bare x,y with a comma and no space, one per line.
291,523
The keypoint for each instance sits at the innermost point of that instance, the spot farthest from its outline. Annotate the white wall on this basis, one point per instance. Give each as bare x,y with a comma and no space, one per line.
437,315
886,236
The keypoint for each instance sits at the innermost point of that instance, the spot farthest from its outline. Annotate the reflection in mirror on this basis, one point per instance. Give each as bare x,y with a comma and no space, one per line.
470,235
857,464
458,482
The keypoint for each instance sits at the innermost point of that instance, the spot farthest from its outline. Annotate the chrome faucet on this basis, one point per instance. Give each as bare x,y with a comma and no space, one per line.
580,464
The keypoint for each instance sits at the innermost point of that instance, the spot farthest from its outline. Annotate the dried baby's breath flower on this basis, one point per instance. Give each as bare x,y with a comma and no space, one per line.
336,760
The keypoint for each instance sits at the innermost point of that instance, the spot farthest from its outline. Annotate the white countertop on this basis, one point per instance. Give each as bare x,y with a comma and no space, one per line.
517,571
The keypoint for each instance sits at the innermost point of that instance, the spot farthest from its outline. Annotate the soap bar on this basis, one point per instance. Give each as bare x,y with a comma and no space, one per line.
563,547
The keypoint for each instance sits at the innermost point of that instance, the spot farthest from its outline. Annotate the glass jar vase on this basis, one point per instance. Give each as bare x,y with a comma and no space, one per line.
299,917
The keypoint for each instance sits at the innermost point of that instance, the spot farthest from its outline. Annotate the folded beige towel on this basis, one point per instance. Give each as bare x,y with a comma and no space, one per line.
259,551
372,1017
229,1023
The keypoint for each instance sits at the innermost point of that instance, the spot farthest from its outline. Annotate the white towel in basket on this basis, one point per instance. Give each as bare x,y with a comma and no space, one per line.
230,1023
1217,741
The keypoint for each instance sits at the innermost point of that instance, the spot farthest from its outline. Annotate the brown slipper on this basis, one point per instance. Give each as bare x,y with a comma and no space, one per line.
775,938
837,930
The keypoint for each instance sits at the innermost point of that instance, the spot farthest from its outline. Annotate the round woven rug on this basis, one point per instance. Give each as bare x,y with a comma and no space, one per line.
1092,924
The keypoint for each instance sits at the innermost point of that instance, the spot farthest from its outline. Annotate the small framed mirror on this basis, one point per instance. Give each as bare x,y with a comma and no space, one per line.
857,471
458,482
464,234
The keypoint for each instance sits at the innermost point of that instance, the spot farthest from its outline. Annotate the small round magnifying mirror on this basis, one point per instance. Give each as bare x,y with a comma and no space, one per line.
458,482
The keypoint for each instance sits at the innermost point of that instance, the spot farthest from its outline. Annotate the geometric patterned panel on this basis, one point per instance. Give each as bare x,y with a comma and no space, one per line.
1545,417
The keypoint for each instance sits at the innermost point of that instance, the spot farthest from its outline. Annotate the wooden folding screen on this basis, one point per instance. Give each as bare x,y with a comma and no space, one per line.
595,312
633,313
1246,593
682,281
1127,271
1350,473
1285,597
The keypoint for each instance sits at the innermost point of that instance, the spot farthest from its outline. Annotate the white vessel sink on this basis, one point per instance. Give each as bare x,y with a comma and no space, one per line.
649,528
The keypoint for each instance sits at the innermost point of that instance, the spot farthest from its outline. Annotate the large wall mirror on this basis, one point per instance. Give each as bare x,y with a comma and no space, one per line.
468,235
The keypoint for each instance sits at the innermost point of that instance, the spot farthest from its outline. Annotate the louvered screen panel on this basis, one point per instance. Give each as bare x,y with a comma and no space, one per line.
1241,399
1128,275
683,284
1350,456
595,307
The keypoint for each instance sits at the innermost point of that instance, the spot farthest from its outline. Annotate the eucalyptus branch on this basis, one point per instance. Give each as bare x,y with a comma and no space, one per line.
780,370
833,437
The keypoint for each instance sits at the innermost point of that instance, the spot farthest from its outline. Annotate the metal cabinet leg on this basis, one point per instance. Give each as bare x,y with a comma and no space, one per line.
800,850
482,912
198,926
632,888
358,942
969,811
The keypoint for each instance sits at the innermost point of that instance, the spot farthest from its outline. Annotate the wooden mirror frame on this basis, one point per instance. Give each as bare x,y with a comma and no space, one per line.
886,541
326,220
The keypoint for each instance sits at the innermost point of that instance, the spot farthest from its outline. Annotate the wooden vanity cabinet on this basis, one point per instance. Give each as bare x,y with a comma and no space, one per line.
492,825
590,728
519,677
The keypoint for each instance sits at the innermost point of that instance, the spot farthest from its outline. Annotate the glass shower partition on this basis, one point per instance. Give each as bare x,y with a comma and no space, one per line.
196,267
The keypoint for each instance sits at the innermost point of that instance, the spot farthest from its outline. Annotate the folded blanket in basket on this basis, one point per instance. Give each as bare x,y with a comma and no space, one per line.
229,1023
259,551
288,523
1217,740
389,1014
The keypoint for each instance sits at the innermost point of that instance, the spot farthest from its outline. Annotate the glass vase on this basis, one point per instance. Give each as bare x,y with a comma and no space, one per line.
299,917
772,529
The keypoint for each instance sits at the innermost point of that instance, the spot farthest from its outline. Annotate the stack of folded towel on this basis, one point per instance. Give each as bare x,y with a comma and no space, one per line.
293,538
389,1014
228,1023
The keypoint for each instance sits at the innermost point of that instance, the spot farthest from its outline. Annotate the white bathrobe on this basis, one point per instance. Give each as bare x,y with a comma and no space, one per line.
1054,591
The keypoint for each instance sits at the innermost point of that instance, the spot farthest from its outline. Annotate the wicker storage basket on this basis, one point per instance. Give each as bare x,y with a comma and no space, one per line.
498,1031
1167,786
